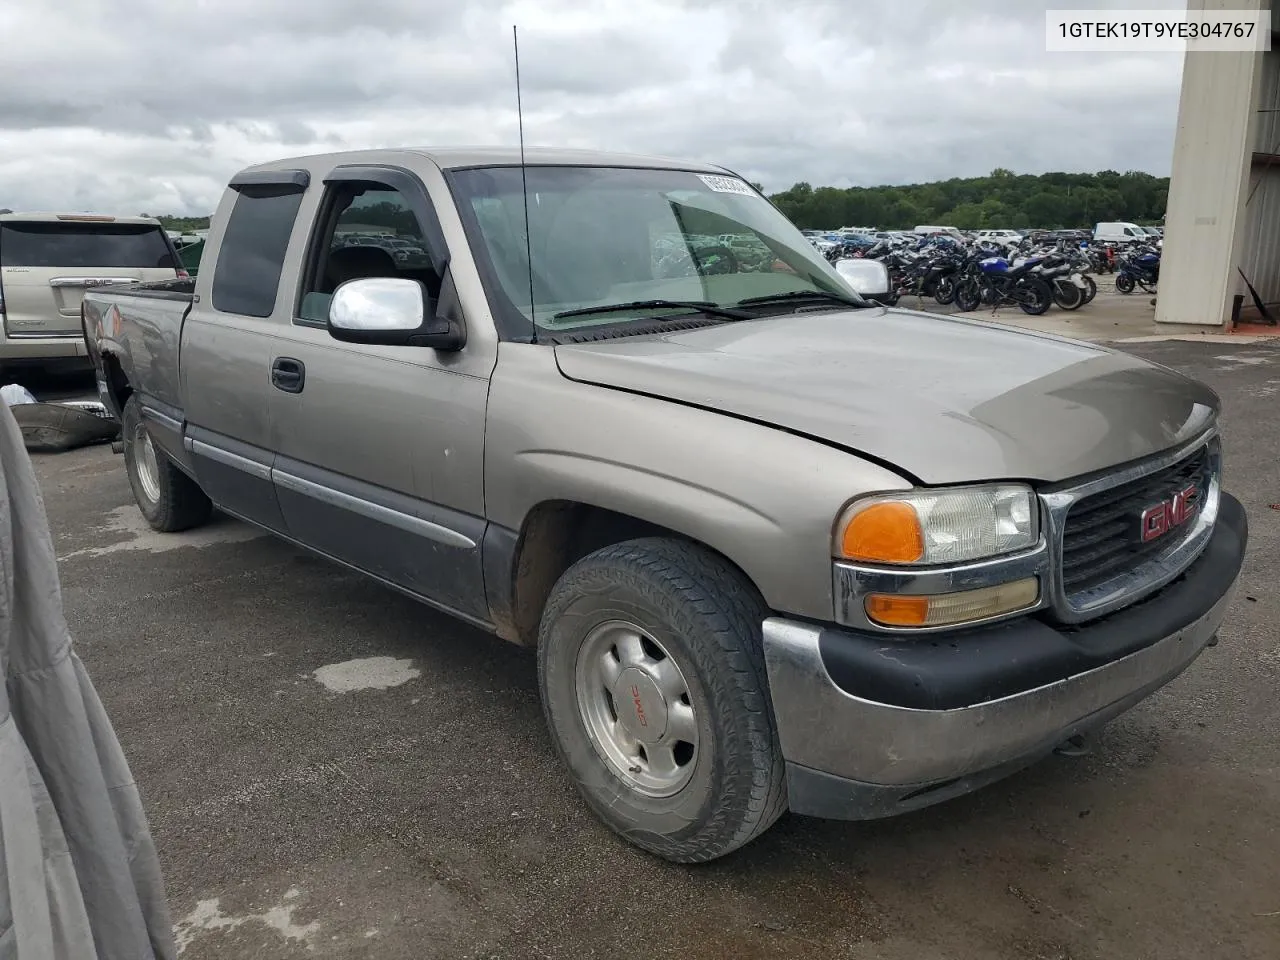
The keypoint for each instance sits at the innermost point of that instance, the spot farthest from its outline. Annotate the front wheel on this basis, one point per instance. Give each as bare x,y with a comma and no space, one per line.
968,295
1067,295
944,291
1090,288
1034,297
651,668
1124,283
169,500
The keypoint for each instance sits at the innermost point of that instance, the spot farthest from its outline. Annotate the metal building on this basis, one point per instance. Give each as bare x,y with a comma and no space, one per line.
1223,217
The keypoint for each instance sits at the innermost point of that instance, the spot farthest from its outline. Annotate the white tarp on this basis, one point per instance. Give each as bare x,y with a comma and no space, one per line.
15,394
79,877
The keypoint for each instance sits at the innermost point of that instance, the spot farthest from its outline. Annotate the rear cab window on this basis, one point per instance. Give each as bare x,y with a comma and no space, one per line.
249,262
70,244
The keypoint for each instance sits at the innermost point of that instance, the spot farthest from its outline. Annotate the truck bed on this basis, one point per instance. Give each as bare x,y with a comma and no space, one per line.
179,288
143,326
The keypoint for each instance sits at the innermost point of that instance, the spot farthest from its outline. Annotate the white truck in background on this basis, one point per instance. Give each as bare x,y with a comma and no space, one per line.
1120,231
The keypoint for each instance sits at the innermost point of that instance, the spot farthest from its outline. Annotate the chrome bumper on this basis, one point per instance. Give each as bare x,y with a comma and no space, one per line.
69,346
898,752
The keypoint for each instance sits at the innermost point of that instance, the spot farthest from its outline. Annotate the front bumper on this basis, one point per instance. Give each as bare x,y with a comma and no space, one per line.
871,726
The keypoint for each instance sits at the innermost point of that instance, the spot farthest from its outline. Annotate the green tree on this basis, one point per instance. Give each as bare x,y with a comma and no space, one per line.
1001,199
1045,208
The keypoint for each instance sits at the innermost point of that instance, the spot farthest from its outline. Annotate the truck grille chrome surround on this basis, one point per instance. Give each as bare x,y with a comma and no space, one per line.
1107,541
1121,536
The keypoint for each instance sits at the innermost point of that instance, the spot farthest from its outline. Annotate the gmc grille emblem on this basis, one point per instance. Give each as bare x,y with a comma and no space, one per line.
1160,518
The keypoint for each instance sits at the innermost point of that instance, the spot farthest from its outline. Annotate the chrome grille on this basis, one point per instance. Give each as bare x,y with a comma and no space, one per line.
1099,536
1100,563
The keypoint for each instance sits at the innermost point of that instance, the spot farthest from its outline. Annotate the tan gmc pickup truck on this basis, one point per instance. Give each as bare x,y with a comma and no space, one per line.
777,546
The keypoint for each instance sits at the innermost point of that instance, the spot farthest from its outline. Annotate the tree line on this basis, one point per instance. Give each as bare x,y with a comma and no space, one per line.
1003,199
181,224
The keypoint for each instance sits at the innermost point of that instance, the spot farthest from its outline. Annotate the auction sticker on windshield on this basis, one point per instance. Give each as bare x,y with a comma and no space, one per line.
727,185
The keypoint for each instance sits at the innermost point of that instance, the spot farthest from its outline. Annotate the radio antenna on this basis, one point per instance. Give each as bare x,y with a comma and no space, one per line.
524,188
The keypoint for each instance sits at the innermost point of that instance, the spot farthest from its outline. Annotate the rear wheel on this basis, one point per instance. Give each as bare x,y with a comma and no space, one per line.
651,668
1124,283
968,296
169,499
1035,297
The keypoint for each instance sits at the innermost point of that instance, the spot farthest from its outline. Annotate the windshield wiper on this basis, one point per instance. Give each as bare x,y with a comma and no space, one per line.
692,306
806,295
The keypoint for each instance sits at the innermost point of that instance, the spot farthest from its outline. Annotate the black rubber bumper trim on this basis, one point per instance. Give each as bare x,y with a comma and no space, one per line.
948,670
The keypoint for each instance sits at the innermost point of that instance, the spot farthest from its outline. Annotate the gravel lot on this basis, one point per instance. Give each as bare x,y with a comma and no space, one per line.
411,807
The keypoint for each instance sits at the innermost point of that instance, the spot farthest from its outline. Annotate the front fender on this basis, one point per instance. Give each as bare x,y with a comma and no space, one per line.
762,497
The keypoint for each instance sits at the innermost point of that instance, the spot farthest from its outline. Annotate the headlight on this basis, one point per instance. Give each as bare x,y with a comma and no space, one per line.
939,526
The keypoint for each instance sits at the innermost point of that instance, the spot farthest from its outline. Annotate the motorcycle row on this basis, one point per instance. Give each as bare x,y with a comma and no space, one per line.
1030,275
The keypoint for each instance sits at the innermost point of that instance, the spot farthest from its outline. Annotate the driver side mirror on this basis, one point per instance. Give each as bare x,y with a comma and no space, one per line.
868,277
391,311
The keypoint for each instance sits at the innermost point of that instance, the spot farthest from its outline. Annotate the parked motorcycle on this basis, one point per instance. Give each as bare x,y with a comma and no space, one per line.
1066,282
1138,268
997,281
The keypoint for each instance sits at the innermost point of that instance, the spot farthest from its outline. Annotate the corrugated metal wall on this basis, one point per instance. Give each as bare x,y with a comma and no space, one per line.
1258,254
1209,185
1267,133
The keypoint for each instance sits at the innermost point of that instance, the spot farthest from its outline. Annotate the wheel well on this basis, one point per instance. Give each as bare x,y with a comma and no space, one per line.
117,383
555,535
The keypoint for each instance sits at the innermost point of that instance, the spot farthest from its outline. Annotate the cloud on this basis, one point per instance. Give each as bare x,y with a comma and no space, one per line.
135,105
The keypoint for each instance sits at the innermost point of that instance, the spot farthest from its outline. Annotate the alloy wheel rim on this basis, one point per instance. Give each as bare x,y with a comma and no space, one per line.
635,704
148,466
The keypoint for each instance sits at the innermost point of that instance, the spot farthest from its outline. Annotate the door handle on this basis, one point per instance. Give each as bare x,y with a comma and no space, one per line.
288,374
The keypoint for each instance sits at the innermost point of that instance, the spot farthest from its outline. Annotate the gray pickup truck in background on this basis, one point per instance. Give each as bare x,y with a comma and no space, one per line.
776,545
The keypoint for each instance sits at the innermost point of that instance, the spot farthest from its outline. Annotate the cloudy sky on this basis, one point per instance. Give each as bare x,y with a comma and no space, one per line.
150,105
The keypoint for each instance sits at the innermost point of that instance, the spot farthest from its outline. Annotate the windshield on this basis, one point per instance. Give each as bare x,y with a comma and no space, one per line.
603,236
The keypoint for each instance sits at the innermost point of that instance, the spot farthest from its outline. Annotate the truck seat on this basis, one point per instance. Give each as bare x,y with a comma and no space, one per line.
345,263
358,263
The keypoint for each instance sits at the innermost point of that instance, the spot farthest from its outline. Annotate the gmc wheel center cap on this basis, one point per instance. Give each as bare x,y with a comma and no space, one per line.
642,710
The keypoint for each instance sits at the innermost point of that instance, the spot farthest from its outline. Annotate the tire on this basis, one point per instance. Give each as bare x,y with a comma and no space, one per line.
944,291
968,296
169,500
1124,283
1067,295
1041,297
696,610
1090,288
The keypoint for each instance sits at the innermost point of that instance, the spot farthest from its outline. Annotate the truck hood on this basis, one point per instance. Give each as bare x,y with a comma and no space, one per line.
943,399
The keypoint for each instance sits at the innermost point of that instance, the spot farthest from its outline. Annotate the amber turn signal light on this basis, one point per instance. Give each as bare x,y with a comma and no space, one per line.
885,532
948,609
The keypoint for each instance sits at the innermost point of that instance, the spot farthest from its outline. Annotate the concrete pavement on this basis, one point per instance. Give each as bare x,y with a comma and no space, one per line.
334,771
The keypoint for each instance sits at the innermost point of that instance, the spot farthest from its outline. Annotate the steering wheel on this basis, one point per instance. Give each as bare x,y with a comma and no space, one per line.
714,259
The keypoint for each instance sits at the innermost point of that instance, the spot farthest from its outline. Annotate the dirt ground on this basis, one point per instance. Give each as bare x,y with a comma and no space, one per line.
411,806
